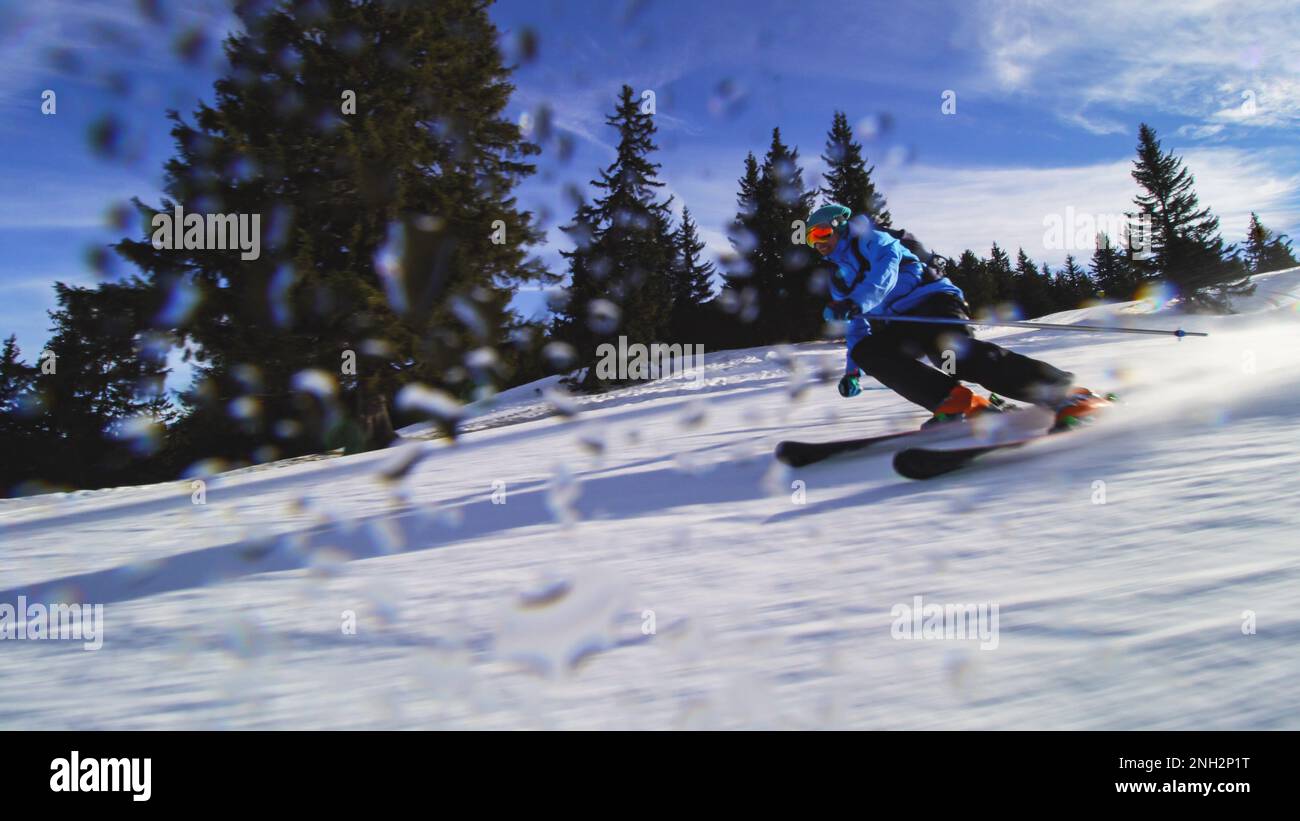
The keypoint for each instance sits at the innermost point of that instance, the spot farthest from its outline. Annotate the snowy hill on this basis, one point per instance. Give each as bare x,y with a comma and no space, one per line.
1122,560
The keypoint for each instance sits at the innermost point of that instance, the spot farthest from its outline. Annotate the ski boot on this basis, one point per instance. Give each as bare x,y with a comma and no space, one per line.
962,404
1080,407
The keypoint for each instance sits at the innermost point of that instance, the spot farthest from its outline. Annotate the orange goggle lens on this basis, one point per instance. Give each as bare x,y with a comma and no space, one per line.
819,232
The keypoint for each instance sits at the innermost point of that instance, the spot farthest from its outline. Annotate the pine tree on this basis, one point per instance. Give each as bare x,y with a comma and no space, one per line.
740,290
105,380
15,379
692,281
998,269
634,235
588,282
622,271
24,454
1266,252
848,179
390,231
1113,273
1031,290
1186,247
789,302
971,275
1073,284
1054,294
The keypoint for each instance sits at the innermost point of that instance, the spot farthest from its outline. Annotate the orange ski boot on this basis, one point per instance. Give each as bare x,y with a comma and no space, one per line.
1080,407
962,403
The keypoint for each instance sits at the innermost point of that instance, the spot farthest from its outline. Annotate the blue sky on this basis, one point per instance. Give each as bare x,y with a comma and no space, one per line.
1048,99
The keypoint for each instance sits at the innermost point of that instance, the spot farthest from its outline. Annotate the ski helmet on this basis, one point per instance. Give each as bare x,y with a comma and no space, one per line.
832,216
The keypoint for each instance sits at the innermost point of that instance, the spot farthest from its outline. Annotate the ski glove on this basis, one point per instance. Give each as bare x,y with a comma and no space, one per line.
841,309
849,386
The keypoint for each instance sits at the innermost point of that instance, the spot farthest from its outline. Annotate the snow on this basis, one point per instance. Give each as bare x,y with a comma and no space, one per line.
767,612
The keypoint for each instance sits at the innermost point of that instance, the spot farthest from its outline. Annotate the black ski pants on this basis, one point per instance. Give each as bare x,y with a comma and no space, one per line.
890,356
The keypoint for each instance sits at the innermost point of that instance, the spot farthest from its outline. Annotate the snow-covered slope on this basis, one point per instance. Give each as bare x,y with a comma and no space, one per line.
659,507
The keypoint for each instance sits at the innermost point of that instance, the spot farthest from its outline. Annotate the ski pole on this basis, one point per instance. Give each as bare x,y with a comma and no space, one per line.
1050,326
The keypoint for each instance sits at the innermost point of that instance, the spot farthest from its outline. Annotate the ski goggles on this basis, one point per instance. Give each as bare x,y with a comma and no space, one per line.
817,233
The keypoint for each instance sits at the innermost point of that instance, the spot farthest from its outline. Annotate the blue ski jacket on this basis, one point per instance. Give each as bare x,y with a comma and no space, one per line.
881,276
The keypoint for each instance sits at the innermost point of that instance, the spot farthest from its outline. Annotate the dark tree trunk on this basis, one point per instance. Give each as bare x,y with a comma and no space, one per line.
374,426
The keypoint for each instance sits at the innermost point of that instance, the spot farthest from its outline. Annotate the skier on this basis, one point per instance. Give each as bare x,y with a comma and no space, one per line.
877,273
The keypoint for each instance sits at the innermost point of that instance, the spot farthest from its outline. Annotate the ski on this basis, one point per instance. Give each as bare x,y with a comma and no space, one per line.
800,454
927,463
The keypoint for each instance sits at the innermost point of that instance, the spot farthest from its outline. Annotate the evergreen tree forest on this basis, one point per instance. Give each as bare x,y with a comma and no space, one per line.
393,243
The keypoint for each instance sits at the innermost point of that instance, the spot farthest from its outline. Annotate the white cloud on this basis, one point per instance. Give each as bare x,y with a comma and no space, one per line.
1189,57
109,32
1100,126
37,199
1263,102
955,209
1234,183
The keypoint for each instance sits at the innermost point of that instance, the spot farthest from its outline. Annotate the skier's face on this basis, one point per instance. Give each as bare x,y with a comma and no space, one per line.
822,238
